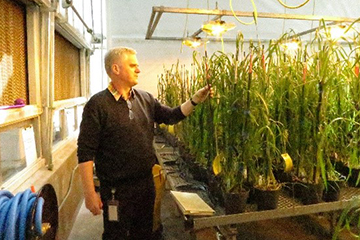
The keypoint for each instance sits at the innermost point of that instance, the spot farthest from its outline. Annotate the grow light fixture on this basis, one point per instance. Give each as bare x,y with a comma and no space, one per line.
217,28
291,45
337,31
194,42
340,31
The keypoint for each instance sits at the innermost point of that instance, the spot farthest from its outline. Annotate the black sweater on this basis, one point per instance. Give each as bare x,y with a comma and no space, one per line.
122,147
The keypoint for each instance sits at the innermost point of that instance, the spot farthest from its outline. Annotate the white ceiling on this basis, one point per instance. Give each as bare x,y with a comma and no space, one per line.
127,24
129,19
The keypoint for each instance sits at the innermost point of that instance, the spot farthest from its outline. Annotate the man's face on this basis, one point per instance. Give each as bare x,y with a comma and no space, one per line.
129,70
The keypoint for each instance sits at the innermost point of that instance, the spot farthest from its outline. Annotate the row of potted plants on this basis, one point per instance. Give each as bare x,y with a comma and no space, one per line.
268,102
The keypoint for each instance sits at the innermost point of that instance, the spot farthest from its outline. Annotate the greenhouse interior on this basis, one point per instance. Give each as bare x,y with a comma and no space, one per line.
179,120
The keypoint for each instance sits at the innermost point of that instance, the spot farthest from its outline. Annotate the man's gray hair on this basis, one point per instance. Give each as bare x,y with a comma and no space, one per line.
116,53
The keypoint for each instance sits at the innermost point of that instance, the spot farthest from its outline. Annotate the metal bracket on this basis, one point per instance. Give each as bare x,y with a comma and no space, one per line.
157,12
97,38
66,3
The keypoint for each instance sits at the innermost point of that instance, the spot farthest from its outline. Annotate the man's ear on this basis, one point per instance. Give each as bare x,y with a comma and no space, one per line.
115,68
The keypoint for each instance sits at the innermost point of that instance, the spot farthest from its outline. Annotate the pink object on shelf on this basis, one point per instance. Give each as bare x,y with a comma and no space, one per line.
18,103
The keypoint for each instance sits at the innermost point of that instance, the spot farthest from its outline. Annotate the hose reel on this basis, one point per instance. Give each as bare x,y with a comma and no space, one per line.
28,215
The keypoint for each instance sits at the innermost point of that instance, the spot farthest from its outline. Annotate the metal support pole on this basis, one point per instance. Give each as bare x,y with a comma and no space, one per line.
159,10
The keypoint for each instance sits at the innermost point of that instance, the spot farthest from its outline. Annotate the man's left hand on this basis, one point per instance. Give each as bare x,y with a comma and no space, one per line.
201,95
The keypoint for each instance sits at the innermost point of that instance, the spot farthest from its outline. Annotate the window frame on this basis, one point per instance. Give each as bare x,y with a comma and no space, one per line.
29,114
61,105
40,14
74,37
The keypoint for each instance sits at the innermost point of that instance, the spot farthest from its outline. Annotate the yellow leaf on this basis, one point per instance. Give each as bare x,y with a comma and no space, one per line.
217,164
171,129
288,162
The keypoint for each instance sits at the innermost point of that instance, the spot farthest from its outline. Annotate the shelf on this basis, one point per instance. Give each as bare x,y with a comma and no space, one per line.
287,205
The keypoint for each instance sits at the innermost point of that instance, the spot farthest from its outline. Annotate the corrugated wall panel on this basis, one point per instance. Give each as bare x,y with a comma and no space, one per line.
67,69
13,55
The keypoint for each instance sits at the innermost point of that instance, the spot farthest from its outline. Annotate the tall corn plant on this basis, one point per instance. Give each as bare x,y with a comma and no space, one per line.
269,135
231,114
270,102
330,106
354,96
172,87
280,82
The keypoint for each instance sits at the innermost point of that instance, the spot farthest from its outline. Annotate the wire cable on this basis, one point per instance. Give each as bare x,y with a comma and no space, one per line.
283,27
185,27
312,22
293,7
92,16
70,186
242,22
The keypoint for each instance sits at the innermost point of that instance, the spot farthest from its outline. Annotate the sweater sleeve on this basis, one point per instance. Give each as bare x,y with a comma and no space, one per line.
89,136
167,115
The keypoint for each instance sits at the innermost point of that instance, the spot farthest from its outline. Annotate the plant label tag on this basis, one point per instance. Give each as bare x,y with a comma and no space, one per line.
113,206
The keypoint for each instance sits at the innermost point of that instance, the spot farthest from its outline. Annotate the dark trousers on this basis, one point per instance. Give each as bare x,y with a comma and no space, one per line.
136,199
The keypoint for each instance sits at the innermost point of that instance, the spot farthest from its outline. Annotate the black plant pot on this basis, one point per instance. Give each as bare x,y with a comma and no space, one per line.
333,191
214,186
351,174
236,202
251,199
353,177
342,168
308,193
266,199
282,176
199,172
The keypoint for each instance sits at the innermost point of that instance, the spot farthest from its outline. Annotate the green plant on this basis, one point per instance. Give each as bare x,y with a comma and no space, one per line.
349,220
268,102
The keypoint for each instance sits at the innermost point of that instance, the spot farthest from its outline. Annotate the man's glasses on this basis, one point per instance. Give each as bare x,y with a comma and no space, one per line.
129,105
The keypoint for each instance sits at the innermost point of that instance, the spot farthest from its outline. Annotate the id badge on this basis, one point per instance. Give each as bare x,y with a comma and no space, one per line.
113,206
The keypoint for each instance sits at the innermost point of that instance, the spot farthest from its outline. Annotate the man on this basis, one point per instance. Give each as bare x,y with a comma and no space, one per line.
117,133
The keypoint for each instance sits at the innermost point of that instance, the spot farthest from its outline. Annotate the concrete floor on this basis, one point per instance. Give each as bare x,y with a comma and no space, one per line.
89,227
314,227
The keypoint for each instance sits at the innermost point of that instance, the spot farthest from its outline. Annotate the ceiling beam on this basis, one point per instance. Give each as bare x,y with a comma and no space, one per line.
159,10
250,14
153,23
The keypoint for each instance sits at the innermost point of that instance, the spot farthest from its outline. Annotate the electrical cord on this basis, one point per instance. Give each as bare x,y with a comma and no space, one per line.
312,22
185,27
240,21
17,213
293,7
69,188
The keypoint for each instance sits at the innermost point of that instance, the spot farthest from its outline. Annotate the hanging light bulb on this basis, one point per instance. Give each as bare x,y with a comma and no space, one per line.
338,31
217,27
194,42
291,45
341,31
